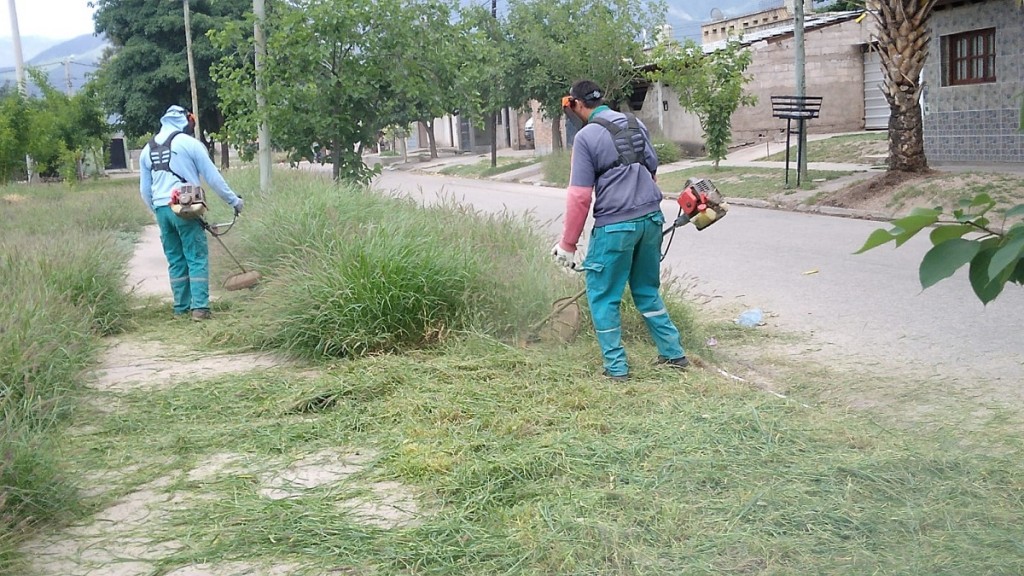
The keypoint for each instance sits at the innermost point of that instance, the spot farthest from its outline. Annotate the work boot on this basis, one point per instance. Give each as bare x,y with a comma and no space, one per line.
616,377
183,314
678,363
201,314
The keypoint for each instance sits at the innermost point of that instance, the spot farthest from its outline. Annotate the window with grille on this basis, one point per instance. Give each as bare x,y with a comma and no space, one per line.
969,57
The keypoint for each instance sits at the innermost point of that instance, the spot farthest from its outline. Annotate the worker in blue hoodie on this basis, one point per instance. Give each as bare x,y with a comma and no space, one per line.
173,158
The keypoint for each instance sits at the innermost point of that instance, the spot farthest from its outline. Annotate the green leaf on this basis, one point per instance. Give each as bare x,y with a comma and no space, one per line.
1018,273
984,287
1017,210
944,233
876,239
981,200
1006,257
910,225
943,260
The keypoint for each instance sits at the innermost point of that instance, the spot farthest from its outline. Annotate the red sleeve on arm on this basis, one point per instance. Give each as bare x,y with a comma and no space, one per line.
577,206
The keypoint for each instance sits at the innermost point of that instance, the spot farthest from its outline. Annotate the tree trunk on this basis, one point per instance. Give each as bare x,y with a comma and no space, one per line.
336,157
903,39
556,134
906,138
429,127
225,156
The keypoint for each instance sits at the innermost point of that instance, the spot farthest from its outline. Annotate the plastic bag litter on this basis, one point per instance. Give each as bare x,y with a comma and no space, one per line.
750,318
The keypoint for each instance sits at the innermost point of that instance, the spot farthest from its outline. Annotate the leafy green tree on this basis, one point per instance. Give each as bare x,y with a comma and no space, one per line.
15,134
429,84
56,130
554,43
147,69
330,76
995,254
709,85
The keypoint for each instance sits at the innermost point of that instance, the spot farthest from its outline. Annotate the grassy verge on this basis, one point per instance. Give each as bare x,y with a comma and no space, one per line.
743,182
855,148
524,461
63,254
520,459
483,168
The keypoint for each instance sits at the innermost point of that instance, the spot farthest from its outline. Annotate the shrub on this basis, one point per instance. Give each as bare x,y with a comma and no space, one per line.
353,272
62,283
556,168
667,150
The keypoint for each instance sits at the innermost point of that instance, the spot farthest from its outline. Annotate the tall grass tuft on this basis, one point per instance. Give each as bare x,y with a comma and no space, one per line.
63,255
356,272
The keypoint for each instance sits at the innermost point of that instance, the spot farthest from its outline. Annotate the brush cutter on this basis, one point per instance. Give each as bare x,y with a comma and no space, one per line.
247,278
699,203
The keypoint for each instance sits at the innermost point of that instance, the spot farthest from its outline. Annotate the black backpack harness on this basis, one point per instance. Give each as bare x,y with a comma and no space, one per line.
188,201
629,143
160,155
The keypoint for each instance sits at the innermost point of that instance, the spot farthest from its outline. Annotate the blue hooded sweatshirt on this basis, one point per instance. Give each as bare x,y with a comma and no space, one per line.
189,159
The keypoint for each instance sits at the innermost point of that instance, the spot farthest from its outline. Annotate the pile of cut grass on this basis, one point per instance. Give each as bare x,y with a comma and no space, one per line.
63,254
525,461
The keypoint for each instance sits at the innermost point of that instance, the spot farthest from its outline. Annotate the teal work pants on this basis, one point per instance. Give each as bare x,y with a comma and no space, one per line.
188,262
628,252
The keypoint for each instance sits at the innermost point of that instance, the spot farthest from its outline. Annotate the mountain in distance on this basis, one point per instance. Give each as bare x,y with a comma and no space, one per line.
82,53
30,46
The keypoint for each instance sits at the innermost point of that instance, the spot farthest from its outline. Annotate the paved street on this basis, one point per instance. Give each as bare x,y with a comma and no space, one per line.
799,268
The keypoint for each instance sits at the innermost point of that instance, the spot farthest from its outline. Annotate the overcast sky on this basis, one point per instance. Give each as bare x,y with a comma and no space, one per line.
57,19
65,19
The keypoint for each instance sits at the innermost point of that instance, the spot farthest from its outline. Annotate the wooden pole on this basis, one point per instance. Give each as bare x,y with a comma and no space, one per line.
192,68
259,11
19,66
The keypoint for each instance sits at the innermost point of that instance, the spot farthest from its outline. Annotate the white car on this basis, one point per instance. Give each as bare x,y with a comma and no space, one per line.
528,130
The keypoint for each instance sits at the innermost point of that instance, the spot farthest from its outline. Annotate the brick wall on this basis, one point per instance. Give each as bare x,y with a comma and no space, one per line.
834,69
976,122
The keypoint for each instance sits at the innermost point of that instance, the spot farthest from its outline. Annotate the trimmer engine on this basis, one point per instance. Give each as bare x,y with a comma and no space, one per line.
701,204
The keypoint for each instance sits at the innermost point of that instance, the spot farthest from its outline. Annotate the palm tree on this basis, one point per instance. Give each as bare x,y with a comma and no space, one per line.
903,38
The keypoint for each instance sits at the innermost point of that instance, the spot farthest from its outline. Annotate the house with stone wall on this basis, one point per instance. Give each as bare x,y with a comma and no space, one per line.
974,82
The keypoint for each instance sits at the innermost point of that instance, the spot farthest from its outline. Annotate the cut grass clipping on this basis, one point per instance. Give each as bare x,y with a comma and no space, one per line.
523,462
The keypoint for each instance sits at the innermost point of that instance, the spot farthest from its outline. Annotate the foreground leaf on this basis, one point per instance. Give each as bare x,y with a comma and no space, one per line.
985,288
1006,257
945,233
876,239
943,260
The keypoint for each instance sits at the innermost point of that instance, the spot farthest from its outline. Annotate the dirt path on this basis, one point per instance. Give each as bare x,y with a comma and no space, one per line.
127,536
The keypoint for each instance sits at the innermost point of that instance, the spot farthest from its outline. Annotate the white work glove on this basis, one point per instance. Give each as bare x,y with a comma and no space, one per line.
239,205
563,257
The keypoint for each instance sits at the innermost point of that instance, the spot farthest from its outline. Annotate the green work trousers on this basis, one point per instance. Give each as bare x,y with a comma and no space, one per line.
621,253
188,261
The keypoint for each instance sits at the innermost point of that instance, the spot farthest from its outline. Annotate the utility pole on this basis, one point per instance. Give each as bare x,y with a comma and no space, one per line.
801,85
191,68
19,67
259,11
67,76
494,114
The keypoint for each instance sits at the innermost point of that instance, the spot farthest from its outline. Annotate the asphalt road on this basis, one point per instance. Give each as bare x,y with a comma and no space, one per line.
800,270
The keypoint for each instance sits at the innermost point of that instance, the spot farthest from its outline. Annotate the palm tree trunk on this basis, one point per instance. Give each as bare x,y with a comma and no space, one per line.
903,38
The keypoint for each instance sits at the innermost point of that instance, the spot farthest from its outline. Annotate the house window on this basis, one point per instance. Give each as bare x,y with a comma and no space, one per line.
970,57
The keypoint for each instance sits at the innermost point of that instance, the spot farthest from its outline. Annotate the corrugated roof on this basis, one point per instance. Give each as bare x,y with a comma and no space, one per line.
811,22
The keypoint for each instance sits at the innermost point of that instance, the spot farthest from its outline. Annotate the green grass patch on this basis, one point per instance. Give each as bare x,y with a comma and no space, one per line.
946,189
483,168
853,148
63,254
350,272
744,182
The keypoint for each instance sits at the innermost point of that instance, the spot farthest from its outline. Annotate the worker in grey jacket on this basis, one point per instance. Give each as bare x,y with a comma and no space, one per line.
615,166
